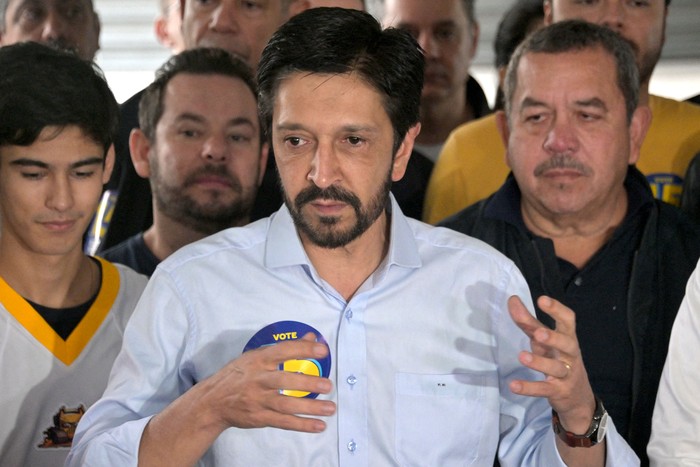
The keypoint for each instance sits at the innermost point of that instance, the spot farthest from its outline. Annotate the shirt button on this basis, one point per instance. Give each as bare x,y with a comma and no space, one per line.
578,281
348,313
351,380
352,446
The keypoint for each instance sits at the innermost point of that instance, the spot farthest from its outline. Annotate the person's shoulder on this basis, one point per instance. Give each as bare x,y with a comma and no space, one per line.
122,249
672,219
121,290
129,279
666,108
132,104
476,128
465,220
238,240
447,242
472,142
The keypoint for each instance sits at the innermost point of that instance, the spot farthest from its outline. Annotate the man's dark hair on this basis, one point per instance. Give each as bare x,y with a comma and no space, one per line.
198,61
469,10
517,22
575,35
338,41
3,13
43,87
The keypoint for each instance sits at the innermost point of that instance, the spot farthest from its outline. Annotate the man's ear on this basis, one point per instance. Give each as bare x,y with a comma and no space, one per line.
160,29
476,30
109,165
140,148
403,154
503,130
641,120
264,154
548,13
297,6
502,125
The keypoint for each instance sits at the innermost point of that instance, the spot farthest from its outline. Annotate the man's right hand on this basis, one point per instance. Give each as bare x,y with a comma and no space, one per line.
246,393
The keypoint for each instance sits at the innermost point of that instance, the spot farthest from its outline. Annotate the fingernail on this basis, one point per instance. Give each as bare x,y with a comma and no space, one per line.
541,335
320,350
319,426
516,386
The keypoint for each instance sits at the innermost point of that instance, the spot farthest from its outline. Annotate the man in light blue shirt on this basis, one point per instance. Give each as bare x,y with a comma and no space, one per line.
394,336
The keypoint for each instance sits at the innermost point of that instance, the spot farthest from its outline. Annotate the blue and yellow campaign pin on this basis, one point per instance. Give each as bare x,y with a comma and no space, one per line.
291,330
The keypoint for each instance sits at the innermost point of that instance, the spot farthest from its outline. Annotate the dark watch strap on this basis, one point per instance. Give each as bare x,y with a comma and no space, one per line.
595,433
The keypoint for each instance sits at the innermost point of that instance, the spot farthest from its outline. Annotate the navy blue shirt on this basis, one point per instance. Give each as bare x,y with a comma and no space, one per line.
597,293
134,253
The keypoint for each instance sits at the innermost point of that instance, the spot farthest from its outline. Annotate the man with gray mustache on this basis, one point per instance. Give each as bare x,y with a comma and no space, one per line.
579,219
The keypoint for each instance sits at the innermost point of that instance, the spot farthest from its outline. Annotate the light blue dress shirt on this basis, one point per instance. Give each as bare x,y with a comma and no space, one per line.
421,356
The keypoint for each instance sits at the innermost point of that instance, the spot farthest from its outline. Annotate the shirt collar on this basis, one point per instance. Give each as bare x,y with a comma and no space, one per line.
505,203
284,248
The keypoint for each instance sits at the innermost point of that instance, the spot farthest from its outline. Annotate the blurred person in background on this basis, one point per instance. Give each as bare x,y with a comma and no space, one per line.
168,25
448,33
479,140
200,146
242,28
65,24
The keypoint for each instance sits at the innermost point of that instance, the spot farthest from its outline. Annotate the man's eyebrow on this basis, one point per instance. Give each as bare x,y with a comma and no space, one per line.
241,121
188,116
345,128
89,161
26,162
445,22
531,102
290,126
359,129
592,102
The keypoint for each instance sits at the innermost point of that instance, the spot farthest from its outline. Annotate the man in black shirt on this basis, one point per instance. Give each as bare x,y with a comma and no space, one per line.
579,219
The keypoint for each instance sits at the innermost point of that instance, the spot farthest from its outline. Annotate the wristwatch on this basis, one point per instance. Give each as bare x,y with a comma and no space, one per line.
595,433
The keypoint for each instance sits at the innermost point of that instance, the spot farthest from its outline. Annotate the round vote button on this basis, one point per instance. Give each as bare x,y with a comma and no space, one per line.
282,331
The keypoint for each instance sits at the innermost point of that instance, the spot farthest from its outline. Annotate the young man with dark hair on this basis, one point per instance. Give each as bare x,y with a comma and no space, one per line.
580,221
200,145
332,289
62,314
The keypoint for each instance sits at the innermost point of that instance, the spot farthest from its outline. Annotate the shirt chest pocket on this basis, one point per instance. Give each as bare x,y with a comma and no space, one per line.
442,419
